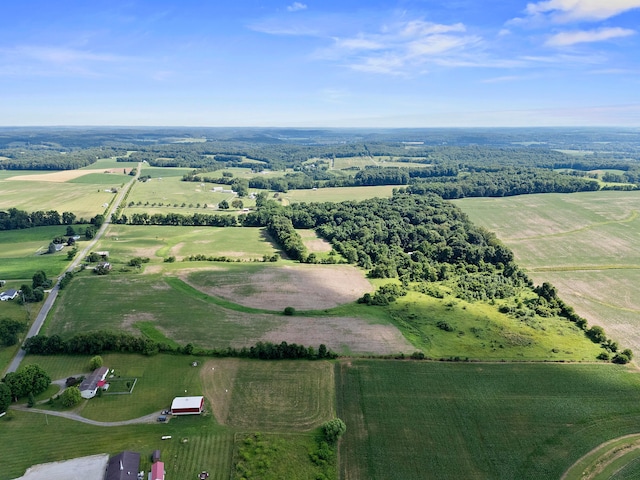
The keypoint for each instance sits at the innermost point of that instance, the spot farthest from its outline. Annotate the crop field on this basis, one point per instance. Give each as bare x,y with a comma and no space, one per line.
479,331
85,200
22,253
305,287
422,420
270,397
338,194
110,164
146,303
116,180
587,244
124,242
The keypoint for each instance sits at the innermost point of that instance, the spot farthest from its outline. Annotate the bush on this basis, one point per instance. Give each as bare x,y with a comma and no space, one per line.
70,397
289,311
95,362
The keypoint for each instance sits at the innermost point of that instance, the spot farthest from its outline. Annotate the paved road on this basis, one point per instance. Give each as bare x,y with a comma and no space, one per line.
51,298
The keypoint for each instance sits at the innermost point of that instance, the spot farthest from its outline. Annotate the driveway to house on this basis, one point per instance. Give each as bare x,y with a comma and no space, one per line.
151,418
51,298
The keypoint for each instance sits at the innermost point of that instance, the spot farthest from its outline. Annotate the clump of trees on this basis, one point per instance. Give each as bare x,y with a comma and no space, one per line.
9,331
333,430
30,379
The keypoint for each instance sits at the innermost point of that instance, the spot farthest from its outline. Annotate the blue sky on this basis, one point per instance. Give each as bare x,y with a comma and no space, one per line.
349,63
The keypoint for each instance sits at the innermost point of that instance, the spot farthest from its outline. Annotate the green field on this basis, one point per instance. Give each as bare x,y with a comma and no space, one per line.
409,420
124,242
22,253
85,200
586,244
338,194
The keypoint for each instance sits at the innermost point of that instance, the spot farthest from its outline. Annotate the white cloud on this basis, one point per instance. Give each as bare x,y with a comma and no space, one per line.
401,48
564,39
575,10
296,7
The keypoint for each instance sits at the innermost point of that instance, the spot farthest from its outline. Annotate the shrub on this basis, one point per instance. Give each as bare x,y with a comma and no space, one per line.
289,311
70,397
95,362
333,430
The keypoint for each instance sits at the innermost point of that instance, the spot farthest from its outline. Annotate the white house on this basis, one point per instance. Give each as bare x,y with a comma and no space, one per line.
90,385
9,294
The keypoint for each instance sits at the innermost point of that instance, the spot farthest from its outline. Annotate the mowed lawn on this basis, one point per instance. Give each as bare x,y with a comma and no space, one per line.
133,302
586,244
412,420
124,242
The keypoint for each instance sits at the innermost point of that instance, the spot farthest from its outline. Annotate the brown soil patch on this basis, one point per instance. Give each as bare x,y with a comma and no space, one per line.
341,334
304,287
129,319
313,242
176,249
59,177
218,378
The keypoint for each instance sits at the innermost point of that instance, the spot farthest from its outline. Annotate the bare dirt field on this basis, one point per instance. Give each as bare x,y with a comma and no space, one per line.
304,287
75,469
59,177
313,242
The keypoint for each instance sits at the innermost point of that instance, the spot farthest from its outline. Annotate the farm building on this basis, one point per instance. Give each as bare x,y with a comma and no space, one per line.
187,406
9,294
157,471
124,466
89,386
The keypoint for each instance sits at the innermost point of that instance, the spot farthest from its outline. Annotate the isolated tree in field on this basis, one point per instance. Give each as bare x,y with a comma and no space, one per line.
289,311
5,397
70,397
237,204
40,279
9,330
223,205
95,362
333,430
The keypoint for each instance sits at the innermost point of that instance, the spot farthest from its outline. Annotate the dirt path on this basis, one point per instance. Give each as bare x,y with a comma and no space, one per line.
151,418
635,436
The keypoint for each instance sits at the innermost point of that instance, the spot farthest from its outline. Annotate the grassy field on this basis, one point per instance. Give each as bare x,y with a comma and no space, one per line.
410,420
481,332
338,194
586,244
125,242
21,253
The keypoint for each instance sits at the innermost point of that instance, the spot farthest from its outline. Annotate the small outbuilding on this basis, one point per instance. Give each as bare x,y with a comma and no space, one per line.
157,471
187,406
90,385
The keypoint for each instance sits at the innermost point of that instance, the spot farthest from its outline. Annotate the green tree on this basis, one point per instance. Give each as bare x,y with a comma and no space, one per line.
95,362
223,205
237,204
289,311
9,330
5,397
29,379
70,397
333,430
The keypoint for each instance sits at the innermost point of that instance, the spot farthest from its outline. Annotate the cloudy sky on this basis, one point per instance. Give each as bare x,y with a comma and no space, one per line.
348,63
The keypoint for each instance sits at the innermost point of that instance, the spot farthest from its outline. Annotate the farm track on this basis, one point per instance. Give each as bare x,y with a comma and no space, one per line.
151,418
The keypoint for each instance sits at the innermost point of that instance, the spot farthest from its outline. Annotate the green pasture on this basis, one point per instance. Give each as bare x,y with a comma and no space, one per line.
422,420
481,332
171,194
164,172
338,194
4,174
30,438
84,200
118,302
109,163
124,242
22,253
117,180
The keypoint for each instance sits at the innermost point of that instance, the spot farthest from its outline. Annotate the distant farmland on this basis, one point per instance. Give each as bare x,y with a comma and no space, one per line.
586,244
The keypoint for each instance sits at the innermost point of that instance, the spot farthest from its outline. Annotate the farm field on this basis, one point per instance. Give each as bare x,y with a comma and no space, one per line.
586,244
420,420
124,242
146,304
338,194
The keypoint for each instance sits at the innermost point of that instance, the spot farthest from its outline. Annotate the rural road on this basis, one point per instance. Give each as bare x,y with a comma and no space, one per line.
51,298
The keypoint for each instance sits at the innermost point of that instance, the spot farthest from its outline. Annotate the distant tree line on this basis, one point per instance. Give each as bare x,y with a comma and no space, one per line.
51,158
14,219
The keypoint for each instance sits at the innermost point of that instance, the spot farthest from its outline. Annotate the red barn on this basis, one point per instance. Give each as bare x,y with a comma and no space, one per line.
157,471
187,406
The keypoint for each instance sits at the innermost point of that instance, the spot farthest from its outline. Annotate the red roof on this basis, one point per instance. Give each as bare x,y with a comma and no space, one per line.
157,471
102,383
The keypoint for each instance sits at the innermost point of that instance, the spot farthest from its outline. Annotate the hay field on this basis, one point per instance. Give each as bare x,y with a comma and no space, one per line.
304,287
260,396
85,200
587,244
338,194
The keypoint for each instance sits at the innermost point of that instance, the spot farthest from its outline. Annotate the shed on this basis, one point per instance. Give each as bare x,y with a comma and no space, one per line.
124,466
187,406
89,386
156,456
157,471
